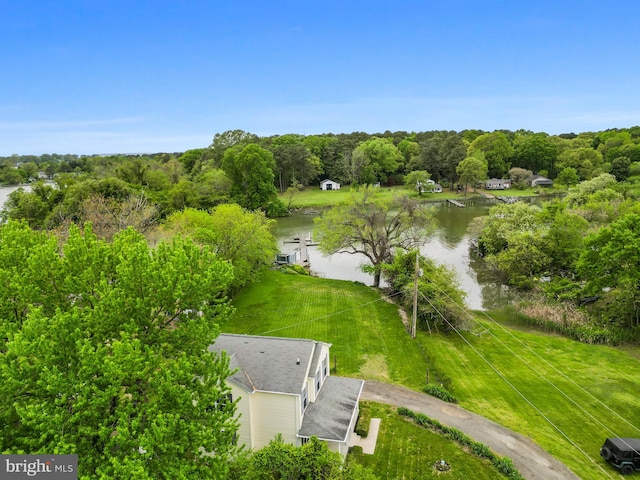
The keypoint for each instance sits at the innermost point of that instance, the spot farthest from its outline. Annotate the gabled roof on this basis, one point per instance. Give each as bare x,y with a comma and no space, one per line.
269,364
329,417
327,181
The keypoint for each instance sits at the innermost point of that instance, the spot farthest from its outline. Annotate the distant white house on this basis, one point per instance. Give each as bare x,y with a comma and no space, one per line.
283,385
329,185
429,186
497,184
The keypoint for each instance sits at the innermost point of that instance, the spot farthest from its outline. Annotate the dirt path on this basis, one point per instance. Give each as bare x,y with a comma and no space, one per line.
531,460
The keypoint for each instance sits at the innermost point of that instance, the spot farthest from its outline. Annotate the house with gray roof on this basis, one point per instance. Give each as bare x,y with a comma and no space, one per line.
539,181
284,385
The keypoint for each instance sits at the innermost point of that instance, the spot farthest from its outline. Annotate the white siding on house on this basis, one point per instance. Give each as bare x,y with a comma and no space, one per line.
271,414
243,411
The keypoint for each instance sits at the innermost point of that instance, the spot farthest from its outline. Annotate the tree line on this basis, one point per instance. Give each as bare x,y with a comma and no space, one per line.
250,170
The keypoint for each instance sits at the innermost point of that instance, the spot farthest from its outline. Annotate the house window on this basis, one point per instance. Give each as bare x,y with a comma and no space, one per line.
325,365
304,440
318,378
221,403
305,398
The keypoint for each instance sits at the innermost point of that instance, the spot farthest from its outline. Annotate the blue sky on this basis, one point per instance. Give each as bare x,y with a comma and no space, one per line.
142,76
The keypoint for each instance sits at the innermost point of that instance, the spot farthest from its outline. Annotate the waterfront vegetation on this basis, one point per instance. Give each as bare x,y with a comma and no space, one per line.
566,381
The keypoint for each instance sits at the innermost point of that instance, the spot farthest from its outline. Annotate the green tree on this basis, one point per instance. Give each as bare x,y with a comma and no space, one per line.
610,262
537,152
368,224
524,241
311,461
519,176
409,150
585,160
568,176
295,162
225,140
242,237
621,168
497,151
27,206
250,170
213,187
382,156
108,356
191,158
471,170
440,298
417,180
440,154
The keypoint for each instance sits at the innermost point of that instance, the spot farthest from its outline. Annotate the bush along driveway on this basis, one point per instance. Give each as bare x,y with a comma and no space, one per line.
532,462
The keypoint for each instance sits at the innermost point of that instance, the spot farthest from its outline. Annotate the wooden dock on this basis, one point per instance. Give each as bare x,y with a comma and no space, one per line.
508,199
456,203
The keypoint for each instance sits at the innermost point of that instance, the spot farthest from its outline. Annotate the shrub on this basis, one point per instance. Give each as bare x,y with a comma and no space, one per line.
503,464
440,392
364,420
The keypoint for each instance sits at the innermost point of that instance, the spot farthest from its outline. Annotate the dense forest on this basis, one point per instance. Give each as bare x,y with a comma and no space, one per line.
249,170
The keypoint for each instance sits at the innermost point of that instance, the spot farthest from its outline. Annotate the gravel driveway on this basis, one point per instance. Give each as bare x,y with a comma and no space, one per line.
531,460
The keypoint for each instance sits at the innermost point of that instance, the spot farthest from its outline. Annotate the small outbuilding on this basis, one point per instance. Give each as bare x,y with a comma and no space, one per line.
540,181
329,185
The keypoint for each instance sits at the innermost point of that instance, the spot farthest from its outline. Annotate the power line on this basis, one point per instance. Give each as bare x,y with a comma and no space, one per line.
515,389
550,365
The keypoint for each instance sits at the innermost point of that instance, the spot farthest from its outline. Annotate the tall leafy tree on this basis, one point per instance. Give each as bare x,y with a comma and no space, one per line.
497,151
250,170
106,354
610,262
440,302
368,224
381,156
242,237
417,181
472,169
537,153
225,140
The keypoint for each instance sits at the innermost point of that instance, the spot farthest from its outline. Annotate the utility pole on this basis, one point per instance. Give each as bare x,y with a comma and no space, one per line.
415,298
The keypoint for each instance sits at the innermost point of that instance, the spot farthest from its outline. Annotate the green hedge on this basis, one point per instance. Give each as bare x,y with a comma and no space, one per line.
503,464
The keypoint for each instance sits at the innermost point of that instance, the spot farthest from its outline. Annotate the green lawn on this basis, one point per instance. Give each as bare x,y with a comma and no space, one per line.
557,375
368,338
312,196
405,450
578,393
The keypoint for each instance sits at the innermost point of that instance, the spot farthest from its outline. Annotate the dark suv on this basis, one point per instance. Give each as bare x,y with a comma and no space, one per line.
622,453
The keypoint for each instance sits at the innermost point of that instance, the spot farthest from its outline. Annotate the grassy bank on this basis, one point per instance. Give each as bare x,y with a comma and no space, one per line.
368,338
544,386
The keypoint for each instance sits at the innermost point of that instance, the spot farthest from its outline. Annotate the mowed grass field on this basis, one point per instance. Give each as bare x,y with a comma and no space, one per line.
405,450
312,196
566,396
366,333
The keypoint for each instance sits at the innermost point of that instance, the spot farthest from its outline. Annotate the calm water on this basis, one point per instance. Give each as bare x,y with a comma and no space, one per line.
5,191
449,246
